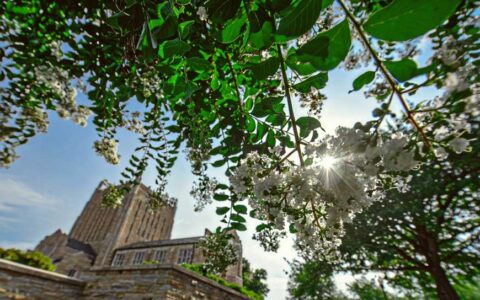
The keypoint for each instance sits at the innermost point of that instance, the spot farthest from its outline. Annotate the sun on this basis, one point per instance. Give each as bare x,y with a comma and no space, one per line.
327,162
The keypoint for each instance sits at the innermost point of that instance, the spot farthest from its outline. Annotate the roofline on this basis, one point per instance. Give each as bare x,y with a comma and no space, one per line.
151,244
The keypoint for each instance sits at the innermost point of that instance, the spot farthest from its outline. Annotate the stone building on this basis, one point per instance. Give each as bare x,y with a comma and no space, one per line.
124,252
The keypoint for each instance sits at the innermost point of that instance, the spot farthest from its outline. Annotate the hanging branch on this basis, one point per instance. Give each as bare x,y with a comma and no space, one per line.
391,81
294,124
239,95
290,105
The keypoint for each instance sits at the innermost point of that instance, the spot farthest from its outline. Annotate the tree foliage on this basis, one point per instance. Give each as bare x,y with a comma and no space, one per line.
253,279
30,258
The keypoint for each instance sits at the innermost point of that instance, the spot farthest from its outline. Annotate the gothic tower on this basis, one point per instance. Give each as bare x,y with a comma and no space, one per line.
99,230
106,228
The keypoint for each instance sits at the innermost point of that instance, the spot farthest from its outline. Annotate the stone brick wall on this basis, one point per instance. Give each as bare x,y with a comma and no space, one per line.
142,282
153,282
23,282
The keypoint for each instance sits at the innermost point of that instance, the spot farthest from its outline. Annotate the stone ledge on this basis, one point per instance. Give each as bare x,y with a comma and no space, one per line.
174,267
31,271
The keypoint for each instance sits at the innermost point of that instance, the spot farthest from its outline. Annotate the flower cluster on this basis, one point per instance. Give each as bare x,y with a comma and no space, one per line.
449,135
312,100
148,83
112,196
202,191
269,239
135,124
108,148
59,83
345,174
219,250
158,198
7,157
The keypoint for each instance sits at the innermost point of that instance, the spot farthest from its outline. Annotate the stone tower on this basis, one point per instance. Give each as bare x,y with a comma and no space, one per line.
99,230
107,228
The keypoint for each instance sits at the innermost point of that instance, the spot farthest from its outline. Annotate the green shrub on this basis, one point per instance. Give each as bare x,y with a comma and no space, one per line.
30,258
198,268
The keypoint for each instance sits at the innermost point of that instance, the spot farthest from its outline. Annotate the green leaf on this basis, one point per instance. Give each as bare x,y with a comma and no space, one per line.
318,81
249,124
173,47
262,39
232,30
22,10
198,64
402,70
271,138
257,18
267,106
220,11
238,226
222,210
363,79
183,2
261,227
292,228
222,186
261,131
248,104
219,163
307,124
407,19
154,23
328,49
184,28
240,208
266,68
238,218
303,68
220,197
299,20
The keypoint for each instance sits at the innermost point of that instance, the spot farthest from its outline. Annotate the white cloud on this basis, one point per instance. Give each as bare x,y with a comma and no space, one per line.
15,193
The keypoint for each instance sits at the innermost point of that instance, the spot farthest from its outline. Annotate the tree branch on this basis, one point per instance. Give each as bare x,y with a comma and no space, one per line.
407,257
386,73
290,105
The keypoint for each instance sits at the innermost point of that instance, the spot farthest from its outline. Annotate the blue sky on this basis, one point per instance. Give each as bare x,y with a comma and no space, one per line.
48,186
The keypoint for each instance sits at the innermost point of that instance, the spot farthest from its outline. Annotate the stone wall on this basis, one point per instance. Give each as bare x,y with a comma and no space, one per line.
153,282
23,282
142,282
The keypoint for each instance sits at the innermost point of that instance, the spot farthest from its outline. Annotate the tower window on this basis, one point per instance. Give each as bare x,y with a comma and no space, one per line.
118,260
185,256
160,256
139,257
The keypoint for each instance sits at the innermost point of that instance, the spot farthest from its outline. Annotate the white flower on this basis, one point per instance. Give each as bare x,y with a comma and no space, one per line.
440,153
458,144
108,149
202,13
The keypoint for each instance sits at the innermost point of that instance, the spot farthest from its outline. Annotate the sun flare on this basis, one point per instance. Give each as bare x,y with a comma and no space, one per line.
328,162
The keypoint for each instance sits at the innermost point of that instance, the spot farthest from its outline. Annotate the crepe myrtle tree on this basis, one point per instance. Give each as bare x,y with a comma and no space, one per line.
427,237
221,79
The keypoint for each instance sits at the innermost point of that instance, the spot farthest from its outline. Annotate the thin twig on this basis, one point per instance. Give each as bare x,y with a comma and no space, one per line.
290,105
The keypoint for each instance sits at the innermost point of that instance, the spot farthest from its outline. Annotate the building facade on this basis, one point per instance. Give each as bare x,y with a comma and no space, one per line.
129,236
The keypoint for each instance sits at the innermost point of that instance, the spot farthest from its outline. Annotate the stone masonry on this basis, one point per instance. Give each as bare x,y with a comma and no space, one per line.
146,282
